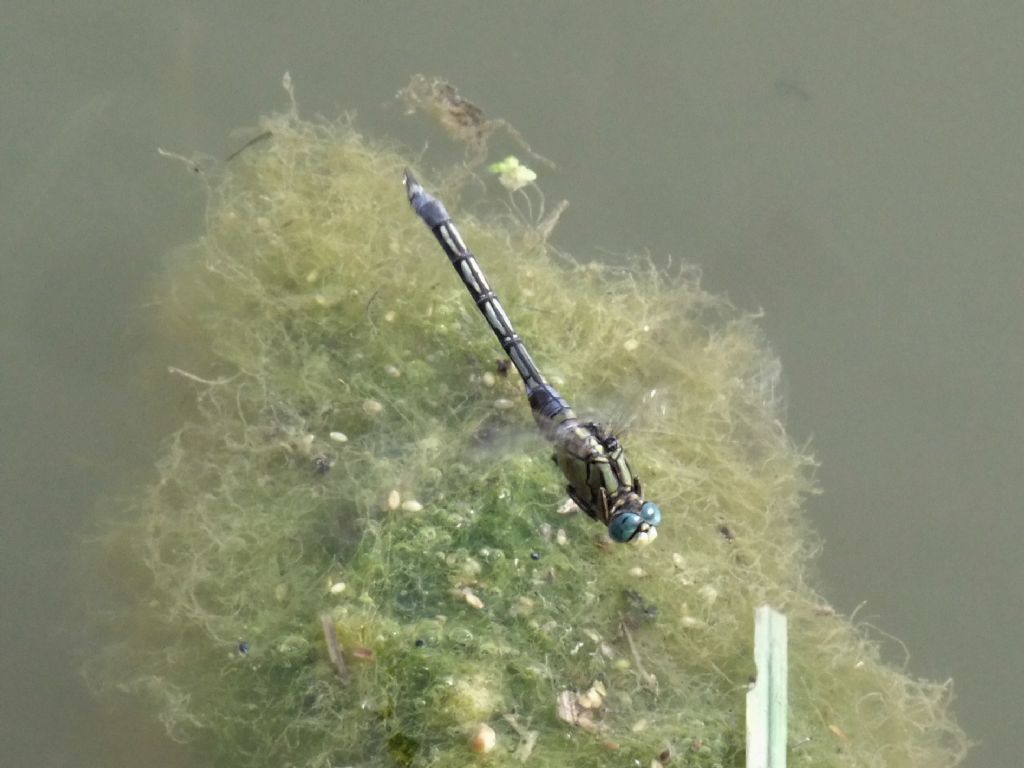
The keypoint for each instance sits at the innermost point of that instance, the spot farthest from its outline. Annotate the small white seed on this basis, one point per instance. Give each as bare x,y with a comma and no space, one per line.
372,407
503,404
472,599
568,508
337,587
394,499
631,345
392,372
591,699
339,437
411,505
483,739
389,316
489,379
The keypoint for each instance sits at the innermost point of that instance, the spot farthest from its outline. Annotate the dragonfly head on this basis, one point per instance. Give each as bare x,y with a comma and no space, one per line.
635,521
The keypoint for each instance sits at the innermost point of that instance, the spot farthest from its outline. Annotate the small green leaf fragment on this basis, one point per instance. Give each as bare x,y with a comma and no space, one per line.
510,163
512,174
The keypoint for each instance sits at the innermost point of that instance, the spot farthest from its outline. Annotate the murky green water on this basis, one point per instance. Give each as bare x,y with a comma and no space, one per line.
853,170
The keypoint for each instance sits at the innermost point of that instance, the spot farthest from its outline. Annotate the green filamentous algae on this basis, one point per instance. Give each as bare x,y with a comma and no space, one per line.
354,553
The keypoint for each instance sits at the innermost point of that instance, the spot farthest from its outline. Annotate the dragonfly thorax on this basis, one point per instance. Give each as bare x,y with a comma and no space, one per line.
602,483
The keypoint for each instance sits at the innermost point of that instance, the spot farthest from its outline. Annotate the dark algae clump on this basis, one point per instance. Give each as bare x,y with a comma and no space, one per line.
354,555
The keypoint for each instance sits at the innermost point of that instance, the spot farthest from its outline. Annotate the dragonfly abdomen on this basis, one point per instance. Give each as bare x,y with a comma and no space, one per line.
549,407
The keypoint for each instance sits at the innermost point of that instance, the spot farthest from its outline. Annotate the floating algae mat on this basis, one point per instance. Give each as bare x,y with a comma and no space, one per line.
354,554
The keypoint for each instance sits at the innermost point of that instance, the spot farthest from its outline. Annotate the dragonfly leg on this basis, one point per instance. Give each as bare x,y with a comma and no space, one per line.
606,514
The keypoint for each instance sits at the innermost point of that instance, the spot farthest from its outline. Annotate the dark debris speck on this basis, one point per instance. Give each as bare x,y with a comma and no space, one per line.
640,607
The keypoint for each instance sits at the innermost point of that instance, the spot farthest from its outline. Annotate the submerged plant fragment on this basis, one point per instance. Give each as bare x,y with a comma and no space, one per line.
460,118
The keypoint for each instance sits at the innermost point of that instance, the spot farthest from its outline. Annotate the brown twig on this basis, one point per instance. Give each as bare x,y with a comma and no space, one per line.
334,647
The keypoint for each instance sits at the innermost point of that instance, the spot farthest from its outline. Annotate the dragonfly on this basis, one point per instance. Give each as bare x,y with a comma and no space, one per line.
600,480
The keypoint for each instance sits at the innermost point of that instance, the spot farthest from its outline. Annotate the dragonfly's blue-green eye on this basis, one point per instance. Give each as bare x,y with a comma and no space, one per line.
624,526
651,513
628,525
